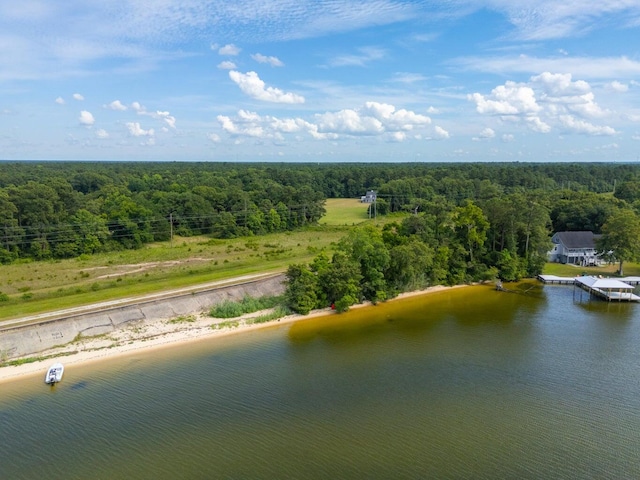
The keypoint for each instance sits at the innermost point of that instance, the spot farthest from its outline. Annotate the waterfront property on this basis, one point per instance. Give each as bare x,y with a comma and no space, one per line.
575,248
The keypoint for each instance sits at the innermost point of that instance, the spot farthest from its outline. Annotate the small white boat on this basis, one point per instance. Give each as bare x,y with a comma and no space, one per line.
54,374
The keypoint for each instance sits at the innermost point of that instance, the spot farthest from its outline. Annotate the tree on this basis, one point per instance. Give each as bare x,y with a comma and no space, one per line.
621,234
300,294
471,225
365,246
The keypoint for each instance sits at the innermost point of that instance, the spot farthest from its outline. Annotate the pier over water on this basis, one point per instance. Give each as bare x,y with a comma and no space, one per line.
609,289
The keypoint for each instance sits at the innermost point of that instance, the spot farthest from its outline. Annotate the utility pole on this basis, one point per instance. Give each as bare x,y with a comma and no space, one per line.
171,230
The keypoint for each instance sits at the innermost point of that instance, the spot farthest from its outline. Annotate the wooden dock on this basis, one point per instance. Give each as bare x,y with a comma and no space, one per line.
609,289
556,279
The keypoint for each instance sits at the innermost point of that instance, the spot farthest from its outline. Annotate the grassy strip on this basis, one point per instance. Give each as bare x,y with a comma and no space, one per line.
227,324
23,361
182,319
279,312
231,309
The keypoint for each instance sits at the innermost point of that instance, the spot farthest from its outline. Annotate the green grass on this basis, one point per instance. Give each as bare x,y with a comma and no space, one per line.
231,309
54,285
630,269
344,211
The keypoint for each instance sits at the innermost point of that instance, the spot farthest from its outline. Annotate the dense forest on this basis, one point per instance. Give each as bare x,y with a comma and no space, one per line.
462,222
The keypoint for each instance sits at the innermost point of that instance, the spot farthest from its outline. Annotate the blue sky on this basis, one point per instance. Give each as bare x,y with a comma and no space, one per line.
320,81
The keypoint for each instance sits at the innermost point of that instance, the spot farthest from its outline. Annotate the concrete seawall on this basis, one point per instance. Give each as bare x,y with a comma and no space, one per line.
21,341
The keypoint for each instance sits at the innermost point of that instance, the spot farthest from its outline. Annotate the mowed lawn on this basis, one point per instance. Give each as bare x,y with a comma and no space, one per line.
344,211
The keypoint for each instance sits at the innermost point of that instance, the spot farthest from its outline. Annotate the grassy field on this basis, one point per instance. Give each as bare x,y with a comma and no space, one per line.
35,287
29,288
630,270
344,211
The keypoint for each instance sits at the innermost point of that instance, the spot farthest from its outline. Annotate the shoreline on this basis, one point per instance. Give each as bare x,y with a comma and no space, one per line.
157,335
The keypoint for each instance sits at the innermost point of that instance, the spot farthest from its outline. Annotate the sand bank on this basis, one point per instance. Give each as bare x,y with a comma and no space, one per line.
161,334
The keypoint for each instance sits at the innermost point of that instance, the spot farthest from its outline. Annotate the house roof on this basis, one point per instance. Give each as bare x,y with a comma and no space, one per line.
577,239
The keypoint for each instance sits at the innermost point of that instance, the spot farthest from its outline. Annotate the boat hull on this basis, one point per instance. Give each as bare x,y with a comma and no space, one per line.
54,374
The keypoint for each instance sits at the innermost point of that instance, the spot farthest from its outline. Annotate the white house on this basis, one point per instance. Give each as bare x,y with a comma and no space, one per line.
576,248
370,197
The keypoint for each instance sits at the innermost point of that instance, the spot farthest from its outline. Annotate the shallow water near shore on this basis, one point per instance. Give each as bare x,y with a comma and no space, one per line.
463,383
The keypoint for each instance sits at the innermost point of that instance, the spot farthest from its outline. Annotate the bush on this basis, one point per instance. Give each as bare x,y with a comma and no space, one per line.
231,309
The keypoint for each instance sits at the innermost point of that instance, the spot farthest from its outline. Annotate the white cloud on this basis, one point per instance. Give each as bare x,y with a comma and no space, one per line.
230,49
137,131
507,138
227,65
618,87
273,61
102,133
86,118
165,117
558,84
77,96
547,101
487,133
582,126
60,101
214,137
372,119
252,85
116,105
348,122
440,133
507,99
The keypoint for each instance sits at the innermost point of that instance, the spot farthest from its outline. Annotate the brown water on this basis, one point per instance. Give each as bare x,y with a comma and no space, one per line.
467,383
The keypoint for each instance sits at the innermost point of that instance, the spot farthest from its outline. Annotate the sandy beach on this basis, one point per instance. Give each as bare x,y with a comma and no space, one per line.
161,334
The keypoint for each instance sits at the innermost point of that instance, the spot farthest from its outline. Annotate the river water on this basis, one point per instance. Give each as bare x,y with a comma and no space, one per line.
465,383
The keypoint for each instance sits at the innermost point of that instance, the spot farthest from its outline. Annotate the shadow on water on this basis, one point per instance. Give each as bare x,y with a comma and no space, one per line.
468,307
79,385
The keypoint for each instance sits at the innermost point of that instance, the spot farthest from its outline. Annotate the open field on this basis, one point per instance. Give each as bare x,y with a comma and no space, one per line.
29,288
630,269
344,211
35,287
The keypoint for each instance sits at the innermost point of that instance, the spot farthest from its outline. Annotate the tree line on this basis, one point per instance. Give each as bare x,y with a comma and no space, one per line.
66,209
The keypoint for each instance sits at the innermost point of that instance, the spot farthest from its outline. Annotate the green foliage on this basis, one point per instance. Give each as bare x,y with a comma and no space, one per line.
231,309
300,295
621,234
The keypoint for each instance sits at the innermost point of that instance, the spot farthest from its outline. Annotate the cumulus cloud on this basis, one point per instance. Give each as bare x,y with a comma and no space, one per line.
273,61
582,126
230,50
86,118
137,131
116,105
165,117
507,138
508,99
77,96
214,137
102,133
227,65
60,101
545,102
372,119
253,86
